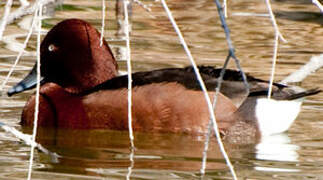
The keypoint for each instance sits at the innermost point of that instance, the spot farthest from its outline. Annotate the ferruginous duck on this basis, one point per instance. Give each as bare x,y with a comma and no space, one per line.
81,89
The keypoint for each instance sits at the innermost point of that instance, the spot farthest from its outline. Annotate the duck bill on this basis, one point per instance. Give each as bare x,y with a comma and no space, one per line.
28,82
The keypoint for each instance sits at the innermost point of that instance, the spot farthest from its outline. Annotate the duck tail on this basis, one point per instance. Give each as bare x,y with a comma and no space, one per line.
305,93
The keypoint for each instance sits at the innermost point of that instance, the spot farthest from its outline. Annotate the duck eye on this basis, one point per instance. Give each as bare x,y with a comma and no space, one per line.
52,48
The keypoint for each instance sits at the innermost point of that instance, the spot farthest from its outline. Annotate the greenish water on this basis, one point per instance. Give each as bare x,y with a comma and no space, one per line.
98,154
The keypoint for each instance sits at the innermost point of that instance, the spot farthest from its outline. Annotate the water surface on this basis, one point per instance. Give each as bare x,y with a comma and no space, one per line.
103,154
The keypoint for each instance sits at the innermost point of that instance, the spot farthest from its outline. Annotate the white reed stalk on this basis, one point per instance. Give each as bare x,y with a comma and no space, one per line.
37,93
315,63
142,5
24,2
132,163
206,148
28,140
126,3
273,20
273,68
203,87
318,4
20,53
208,134
127,29
4,18
25,9
278,36
103,22
225,8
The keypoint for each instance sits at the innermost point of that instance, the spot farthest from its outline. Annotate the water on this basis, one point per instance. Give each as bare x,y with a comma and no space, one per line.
102,154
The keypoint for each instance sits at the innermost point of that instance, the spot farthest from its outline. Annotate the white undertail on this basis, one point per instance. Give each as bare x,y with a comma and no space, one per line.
276,116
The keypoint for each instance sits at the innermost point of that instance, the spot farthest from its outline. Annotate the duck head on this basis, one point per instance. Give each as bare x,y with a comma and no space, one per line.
71,56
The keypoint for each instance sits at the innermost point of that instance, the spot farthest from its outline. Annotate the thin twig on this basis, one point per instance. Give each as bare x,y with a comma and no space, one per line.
4,18
132,163
28,140
131,137
210,125
225,8
231,47
40,9
273,20
315,63
273,68
278,36
230,44
126,2
25,10
220,79
20,53
144,6
203,87
208,134
206,148
24,2
318,4
103,22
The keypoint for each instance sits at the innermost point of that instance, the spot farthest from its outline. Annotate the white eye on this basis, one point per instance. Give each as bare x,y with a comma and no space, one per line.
52,48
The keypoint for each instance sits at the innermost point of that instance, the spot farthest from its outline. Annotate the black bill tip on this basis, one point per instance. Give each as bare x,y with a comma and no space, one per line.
28,82
16,89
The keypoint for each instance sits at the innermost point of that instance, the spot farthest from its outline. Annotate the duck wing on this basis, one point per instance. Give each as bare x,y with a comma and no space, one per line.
232,85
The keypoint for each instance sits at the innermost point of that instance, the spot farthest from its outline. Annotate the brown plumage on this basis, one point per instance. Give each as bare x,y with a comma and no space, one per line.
81,90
